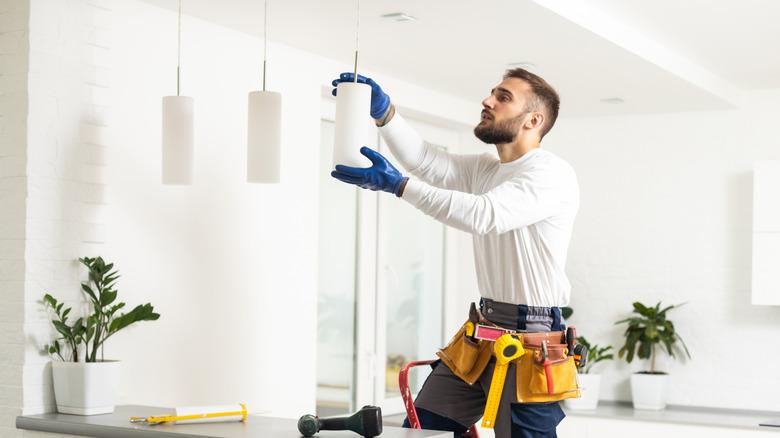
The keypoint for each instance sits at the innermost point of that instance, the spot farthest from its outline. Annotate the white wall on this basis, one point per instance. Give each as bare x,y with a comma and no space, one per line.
666,216
231,267
228,265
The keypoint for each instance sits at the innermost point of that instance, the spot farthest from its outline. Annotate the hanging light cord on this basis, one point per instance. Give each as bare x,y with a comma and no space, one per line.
265,41
357,40
178,55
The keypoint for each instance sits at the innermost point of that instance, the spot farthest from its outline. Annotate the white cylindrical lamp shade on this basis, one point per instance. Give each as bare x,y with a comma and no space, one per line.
264,137
353,109
178,139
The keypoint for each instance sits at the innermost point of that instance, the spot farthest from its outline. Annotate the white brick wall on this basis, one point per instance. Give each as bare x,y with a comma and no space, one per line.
13,192
67,141
54,97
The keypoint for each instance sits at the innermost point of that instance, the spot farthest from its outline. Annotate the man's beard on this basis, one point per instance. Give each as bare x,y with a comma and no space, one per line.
499,132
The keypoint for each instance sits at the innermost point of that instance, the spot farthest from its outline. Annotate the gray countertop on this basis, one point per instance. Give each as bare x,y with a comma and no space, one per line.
692,416
117,425
700,416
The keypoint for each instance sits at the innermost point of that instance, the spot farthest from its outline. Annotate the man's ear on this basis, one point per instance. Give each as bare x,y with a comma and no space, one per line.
535,121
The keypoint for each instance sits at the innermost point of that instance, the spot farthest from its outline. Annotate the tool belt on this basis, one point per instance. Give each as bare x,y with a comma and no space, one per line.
545,373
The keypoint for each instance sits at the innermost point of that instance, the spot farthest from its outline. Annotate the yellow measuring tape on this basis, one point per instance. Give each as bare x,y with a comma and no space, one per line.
507,348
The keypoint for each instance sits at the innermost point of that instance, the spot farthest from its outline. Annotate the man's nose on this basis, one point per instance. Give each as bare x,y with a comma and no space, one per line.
488,102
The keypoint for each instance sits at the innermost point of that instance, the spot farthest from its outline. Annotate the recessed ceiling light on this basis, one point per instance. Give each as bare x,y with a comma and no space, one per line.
399,16
612,100
521,64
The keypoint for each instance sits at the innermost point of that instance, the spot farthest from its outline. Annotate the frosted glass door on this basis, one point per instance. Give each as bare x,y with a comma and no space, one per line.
336,297
411,269
411,250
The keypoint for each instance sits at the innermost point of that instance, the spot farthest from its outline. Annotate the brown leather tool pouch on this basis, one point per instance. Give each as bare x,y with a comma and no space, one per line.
538,384
466,357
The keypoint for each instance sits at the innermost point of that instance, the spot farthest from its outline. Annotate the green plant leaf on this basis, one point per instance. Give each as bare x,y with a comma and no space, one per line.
88,290
110,280
650,328
640,308
144,312
62,328
94,275
50,300
631,321
645,349
107,297
95,328
631,341
114,308
626,353
651,332
685,347
668,344
583,341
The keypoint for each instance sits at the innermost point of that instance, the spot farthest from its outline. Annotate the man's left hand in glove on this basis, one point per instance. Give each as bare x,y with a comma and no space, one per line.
380,176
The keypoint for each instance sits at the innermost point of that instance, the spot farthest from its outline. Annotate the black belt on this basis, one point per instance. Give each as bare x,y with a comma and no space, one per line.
515,316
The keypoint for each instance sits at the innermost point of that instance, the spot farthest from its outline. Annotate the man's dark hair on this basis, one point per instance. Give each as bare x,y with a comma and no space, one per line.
545,99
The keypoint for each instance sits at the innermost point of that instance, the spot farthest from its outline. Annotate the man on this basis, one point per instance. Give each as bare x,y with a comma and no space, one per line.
520,209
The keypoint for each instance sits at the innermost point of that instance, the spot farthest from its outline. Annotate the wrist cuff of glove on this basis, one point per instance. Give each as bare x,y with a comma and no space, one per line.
386,117
401,185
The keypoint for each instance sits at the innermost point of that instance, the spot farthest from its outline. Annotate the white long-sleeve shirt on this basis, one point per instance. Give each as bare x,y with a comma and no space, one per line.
520,213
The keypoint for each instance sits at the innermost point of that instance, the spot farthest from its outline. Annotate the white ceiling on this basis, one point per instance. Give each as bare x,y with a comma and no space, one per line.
738,40
657,56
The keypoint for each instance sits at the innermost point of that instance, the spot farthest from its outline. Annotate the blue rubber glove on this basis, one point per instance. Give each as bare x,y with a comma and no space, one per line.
380,176
380,101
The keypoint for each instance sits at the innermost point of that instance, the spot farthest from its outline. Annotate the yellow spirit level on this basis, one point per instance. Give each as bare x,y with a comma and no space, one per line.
158,419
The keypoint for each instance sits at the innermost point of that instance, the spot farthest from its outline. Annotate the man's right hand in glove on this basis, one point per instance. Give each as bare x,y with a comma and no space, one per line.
380,101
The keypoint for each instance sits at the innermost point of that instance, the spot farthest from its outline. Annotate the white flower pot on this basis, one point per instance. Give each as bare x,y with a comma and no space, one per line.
86,388
590,385
648,391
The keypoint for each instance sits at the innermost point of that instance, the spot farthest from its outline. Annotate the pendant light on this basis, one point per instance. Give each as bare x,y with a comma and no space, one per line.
353,107
177,130
264,127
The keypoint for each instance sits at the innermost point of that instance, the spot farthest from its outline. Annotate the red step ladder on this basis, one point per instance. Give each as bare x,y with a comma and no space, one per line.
406,394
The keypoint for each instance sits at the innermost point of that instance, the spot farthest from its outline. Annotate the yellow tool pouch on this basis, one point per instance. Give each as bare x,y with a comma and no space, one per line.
537,383
467,358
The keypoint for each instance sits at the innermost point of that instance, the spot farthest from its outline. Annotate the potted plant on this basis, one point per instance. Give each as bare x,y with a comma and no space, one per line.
90,386
590,383
643,336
